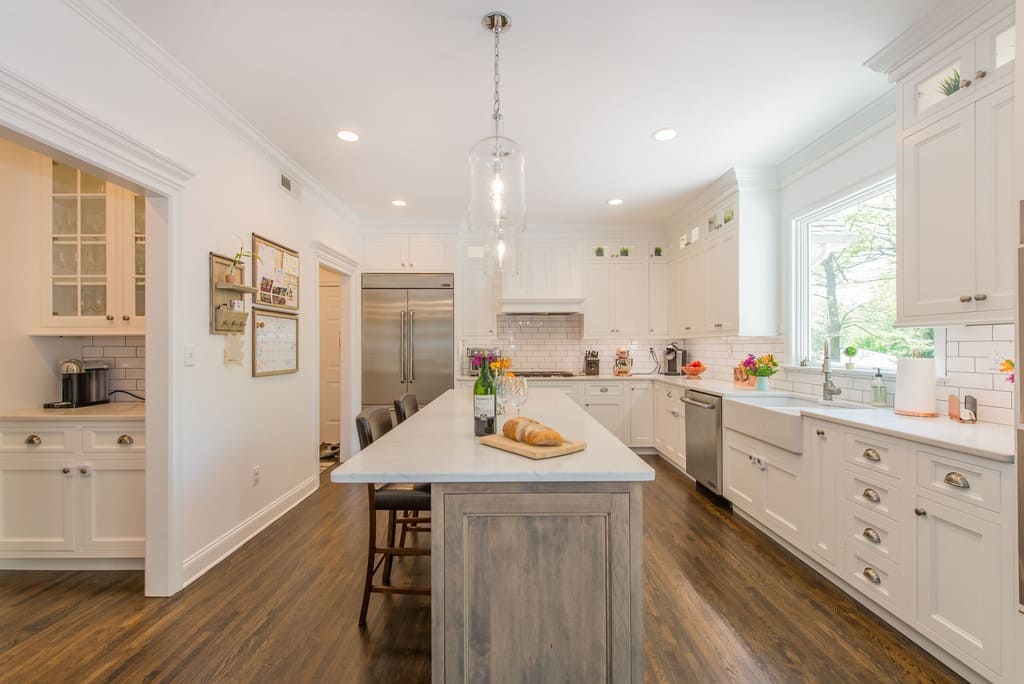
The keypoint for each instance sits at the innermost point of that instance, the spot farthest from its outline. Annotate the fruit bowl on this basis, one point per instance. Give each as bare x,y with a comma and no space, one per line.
694,372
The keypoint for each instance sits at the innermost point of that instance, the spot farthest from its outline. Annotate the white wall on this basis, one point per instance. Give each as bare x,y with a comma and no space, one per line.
226,422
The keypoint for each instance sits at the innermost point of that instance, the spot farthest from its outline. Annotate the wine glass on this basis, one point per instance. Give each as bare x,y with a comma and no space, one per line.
519,392
503,391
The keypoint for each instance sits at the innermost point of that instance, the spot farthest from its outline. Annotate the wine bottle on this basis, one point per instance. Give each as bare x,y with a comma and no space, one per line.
484,401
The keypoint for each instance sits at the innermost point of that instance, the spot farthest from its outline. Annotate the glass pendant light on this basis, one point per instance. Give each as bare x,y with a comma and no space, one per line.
497,185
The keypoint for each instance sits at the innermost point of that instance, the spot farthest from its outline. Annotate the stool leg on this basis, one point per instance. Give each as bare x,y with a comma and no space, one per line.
391,542
370,555
405,526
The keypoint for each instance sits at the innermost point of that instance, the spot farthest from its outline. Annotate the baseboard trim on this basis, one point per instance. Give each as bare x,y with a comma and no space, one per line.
199,563
72,564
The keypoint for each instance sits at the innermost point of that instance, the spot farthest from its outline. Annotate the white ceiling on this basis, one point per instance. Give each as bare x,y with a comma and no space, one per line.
584,84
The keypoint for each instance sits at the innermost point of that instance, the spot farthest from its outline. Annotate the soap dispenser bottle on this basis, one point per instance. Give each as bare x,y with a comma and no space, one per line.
879,393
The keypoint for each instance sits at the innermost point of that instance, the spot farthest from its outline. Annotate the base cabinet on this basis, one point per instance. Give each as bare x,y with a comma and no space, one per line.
36,503
641,414
604,401
670,424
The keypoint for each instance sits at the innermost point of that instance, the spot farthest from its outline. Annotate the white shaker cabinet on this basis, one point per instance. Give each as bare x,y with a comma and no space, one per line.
669,424
604,401
721,292
616,302
641,414
36,503
658,297
393,253
476,293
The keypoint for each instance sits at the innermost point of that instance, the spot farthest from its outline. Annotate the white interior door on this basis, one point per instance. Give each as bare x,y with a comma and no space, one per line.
330,356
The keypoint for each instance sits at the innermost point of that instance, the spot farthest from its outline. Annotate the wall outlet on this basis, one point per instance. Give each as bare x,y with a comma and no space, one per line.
255,475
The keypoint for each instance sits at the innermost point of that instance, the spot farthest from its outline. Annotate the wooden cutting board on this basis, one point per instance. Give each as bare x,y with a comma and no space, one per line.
535,452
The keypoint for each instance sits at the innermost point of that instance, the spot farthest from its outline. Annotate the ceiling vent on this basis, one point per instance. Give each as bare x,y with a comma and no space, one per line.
287,184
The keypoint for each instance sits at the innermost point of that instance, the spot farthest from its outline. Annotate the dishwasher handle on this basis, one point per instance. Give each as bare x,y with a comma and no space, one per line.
698,404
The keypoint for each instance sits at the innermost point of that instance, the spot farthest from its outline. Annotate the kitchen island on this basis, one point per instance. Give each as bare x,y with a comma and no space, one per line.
536,566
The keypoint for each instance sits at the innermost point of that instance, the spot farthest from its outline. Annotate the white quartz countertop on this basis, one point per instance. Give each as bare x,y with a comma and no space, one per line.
986,440
114,411
437,444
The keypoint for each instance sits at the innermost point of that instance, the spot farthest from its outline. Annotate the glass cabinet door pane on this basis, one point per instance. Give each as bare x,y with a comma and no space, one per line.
1006,47
65,179
65,298
65,258
94,298
140,297
65,215
938,86
94,258
94,215
91,185
140,215
140,258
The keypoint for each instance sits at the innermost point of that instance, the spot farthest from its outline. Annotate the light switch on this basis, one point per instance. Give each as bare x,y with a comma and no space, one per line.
190,354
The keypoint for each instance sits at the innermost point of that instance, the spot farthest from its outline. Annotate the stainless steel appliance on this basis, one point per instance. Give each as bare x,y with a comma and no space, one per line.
81,384
675,359
408,336
704,439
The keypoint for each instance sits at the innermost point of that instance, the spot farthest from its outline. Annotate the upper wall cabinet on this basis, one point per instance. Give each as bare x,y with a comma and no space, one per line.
476,293
956,231
93,253
393,253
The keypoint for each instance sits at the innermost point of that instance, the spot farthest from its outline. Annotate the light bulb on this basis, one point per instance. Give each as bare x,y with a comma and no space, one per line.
501,249
497,193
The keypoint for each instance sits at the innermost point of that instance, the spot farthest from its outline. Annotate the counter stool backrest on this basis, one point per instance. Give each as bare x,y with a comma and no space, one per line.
405,406
371,425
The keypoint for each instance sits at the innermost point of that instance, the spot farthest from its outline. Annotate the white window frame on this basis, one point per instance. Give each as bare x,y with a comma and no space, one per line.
800,346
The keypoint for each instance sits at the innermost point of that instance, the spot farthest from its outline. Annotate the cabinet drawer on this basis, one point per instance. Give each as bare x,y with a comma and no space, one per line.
597,389
39,438
959,479
876,578
879,455
872,491
130,439
873,535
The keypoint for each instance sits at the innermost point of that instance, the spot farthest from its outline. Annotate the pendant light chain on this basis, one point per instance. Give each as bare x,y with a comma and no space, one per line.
497,81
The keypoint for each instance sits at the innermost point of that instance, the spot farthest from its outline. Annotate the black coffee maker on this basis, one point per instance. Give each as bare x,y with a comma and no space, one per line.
675,359
81,384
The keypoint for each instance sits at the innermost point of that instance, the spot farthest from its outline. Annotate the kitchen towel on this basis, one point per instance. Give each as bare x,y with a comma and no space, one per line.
915,387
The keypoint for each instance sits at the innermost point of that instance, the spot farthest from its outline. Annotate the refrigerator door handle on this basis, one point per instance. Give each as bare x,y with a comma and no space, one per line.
401,348
412,347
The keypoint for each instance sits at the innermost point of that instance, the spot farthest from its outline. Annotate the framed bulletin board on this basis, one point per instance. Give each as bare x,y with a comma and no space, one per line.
275,343
275,275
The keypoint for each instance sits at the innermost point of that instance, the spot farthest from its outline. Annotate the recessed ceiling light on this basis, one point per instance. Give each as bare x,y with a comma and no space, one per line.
664,134
348,136
398,203
615,202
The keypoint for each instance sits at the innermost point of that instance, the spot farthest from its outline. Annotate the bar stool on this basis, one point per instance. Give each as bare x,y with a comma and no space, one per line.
405,406
371,425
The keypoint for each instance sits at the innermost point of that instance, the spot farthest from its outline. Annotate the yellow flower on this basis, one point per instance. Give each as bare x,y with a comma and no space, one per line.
1006,366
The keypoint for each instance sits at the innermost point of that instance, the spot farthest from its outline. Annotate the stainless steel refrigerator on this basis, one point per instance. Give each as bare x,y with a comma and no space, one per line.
408,336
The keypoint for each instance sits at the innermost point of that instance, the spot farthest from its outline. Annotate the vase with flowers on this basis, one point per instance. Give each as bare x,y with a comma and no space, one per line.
762,368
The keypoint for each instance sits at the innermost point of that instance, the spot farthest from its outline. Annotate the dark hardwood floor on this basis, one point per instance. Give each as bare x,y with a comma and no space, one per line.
723,604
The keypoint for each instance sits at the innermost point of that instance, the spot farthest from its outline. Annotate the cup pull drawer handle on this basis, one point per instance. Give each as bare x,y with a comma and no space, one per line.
34,440
126,440
956,479
871,495
871,535
604,389
872,575
872,454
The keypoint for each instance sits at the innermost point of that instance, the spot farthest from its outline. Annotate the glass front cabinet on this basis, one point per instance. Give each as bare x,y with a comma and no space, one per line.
94,246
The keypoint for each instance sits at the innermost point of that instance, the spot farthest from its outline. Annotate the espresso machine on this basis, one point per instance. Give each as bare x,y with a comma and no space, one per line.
675,359
81,384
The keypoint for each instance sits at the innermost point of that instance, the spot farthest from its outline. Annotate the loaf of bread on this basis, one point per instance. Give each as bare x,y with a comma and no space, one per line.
530,431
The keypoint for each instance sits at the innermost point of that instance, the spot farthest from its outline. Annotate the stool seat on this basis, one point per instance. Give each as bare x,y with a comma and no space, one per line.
401,500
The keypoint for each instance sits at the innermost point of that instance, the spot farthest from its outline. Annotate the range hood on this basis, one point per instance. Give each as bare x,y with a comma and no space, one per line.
536,305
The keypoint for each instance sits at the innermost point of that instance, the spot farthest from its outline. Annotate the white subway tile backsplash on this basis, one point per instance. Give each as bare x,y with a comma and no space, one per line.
126,356
958,333
989,349
1003,332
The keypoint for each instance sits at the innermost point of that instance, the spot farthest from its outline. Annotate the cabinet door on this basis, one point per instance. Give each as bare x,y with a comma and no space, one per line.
785,490
996,228
722,284
429,254
936,254
386,252
744,481
479,307
111,505
657,298
608,412
36,503
695,286
630,303
597,308
823,446
132,238
641,415
958,582
678,306
678,413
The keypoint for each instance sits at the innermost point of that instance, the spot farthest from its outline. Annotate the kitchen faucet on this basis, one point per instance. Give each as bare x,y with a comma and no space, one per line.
828,388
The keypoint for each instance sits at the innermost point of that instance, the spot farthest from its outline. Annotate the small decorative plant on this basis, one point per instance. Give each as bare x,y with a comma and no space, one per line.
624,251
728,216
850,352
599,251
761,366
950,84
657,251
234,275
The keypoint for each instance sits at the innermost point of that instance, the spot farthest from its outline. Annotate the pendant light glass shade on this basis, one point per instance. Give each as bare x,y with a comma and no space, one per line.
497,199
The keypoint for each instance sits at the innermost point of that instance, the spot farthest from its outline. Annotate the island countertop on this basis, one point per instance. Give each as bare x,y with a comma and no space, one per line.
437,444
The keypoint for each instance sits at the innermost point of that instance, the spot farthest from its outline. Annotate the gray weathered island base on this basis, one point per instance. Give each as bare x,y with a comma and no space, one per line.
537,566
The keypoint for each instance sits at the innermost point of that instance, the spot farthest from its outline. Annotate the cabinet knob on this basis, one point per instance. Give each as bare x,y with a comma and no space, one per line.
966,83
85,470
686,328
586,404
126,318
668,395
871,495
872,575
34,440
871,454
871,535
980,74
126,440
980,297
920,512
66,470
965,298
110,317
675,413
819,432
410,264
955,479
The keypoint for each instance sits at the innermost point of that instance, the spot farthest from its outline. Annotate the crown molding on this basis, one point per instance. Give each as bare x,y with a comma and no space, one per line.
939,30
42,117
741,179
126,34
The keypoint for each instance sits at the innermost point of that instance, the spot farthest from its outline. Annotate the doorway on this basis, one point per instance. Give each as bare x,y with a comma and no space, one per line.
334,373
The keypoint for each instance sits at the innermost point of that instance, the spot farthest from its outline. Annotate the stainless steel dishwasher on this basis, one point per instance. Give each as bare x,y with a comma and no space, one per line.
704,439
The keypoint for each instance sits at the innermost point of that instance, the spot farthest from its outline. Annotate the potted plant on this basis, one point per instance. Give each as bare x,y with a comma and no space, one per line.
623,251
234,274
762,368
850,352
657,251
599,251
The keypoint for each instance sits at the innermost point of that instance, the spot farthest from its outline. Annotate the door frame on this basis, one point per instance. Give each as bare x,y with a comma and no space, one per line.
348,268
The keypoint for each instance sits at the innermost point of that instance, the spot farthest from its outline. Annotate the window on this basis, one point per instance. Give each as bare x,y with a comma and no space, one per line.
846,283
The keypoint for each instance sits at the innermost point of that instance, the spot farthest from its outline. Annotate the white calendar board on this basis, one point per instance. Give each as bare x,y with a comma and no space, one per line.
275,343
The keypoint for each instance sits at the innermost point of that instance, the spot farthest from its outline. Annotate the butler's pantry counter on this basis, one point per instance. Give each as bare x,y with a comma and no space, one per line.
524,553
72,487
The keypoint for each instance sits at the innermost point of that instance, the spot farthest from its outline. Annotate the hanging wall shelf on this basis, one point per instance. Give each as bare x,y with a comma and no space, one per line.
228,314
